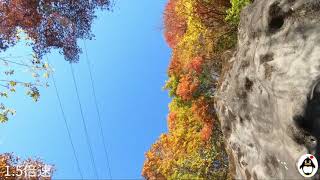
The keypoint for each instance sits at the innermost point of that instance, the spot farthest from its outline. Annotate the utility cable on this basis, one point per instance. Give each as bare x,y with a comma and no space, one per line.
66,124
84,123
97,109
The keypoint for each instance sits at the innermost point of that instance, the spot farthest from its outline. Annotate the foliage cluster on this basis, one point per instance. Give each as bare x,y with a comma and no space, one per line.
234,11
198,33
43,25
38,73
12,168
49,23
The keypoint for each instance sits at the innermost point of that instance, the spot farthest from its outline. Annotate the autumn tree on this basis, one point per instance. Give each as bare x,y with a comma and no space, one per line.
212,13
12,168
175,25
33,74
183,152
196,64
48,23
43,25
187,86
192,148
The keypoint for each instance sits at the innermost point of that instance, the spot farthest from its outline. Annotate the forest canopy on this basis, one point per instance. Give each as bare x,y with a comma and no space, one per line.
202,35
43,25
49,24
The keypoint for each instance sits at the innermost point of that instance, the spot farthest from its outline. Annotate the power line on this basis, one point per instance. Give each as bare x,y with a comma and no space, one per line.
84,123
97,109
66,124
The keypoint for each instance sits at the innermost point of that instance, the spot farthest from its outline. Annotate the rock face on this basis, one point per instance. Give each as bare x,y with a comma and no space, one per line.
269,101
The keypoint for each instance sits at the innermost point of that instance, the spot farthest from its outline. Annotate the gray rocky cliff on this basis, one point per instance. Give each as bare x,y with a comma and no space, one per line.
269,101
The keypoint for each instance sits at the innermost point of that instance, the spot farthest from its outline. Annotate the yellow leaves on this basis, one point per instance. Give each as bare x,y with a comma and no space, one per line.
46,65
182,142
3,118
187,151
5,112
46,75
234,11
40,71
13,83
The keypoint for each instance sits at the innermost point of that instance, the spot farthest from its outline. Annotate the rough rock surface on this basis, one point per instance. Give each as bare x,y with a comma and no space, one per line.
269,101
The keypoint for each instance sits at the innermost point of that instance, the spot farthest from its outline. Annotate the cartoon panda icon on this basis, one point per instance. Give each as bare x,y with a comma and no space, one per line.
307,165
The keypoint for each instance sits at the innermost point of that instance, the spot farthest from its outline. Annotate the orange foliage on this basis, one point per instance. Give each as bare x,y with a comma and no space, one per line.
175,66
196,64
200,108
171,120
155,157
174,25
188,84
206,131
27,169
187,151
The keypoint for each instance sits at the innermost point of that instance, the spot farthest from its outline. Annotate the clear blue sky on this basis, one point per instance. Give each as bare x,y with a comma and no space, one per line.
129,61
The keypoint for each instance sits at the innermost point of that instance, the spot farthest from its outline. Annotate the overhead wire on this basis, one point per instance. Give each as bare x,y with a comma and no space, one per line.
66,124
97,109
84,123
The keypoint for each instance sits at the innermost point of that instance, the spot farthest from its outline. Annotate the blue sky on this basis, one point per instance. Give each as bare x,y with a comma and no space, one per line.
129,59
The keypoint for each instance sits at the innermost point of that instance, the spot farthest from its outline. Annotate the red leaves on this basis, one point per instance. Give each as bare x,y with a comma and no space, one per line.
188,84
206,131
49,23
201,109
174,25
191,122
175,66
196,64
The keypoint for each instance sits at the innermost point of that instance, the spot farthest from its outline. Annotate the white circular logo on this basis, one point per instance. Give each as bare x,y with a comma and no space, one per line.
307,165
